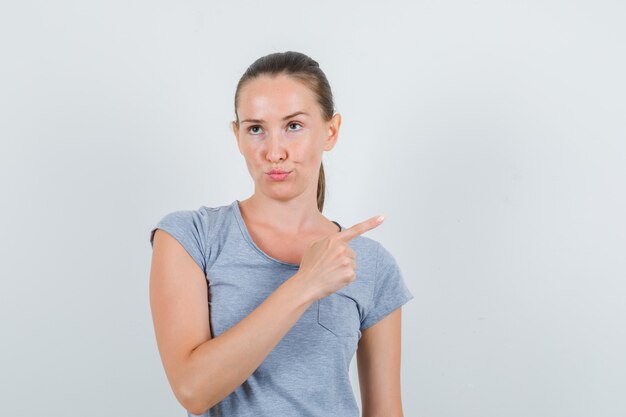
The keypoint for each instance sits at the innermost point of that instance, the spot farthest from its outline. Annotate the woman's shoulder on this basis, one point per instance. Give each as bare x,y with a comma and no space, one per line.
374,252
368,250
203,221
208,211
365,243
198,230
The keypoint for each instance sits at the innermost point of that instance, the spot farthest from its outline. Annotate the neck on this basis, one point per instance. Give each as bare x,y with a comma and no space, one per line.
293,216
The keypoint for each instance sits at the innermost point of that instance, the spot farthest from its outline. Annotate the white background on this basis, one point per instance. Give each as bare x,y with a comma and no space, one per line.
491,135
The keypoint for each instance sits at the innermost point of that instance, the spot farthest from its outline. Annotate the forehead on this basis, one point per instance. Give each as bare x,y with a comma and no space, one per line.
268,98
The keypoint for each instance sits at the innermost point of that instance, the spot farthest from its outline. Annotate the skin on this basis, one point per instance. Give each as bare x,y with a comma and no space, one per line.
286,208
283,216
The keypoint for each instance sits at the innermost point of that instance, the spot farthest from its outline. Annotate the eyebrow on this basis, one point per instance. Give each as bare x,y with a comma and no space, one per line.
284,118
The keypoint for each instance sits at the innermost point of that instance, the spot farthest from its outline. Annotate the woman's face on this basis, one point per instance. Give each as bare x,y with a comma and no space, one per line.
281,127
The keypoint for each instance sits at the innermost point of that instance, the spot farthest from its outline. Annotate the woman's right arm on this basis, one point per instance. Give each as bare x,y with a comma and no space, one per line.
203,370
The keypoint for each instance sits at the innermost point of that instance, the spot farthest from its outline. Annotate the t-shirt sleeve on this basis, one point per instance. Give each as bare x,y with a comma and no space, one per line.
190,229
390,290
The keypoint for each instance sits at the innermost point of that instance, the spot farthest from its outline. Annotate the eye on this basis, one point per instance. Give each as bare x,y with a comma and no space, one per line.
253,127
296,124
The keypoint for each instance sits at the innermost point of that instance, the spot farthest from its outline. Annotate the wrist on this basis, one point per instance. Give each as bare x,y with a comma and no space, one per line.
299,291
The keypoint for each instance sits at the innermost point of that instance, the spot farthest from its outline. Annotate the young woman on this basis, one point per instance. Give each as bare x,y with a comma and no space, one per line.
259,305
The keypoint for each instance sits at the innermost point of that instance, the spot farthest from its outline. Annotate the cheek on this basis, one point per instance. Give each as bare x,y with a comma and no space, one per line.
253,157
306,151
254,154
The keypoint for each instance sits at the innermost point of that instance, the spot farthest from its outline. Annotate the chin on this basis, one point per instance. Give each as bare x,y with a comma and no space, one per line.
280,192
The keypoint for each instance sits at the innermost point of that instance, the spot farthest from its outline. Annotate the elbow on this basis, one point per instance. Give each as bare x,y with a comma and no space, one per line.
187,399
190,402
194,403
196,411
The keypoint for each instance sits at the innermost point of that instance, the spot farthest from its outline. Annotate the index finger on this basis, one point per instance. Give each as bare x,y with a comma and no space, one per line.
360,228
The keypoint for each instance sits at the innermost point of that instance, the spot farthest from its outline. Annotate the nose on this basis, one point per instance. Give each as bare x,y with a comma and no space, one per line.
275,148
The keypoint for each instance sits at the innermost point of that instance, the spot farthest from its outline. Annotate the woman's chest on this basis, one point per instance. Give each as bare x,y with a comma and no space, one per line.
238,286
290,251
285,248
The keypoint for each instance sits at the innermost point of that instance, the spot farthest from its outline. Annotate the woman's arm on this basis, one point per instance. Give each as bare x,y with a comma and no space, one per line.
203,370
378,363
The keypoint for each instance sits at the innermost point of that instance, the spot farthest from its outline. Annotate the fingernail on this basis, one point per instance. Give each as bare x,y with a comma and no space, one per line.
380,219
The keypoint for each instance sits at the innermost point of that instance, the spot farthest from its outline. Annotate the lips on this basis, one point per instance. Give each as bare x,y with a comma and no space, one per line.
277,171
278,174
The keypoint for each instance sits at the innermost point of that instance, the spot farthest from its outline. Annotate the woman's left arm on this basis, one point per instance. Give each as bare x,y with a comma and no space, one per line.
378,364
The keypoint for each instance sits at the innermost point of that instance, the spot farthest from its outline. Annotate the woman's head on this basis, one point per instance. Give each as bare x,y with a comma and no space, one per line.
271,135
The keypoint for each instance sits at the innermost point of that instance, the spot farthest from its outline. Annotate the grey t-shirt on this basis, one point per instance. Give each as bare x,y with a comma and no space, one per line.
307,372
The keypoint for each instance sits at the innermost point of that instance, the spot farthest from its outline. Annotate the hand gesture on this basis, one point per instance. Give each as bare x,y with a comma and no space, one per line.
329,263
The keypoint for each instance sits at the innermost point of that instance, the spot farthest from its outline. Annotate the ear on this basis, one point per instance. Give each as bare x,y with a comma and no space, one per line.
333,132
